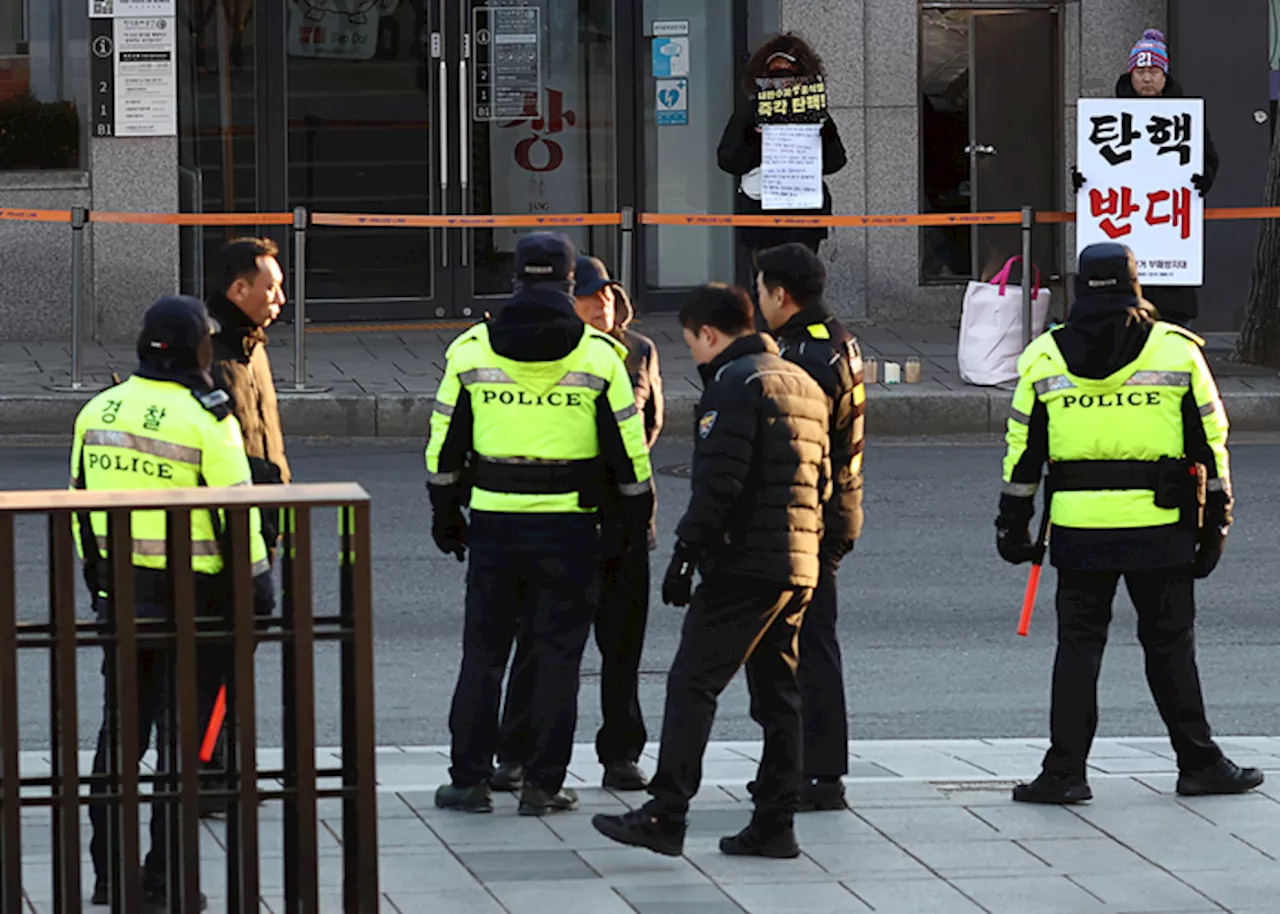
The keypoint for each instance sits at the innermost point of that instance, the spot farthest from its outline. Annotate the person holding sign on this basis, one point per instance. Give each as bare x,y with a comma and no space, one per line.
1148,78
781,141
1125,411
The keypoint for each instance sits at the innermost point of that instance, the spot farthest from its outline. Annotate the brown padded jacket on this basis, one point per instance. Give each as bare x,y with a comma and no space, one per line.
242,369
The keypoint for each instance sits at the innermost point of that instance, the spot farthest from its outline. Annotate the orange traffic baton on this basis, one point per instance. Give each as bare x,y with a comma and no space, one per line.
215,726
1037,565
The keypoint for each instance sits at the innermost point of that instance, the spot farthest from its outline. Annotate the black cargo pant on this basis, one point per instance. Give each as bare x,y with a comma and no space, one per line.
622,614
734,621
536,575
155,697
1165,603
826,723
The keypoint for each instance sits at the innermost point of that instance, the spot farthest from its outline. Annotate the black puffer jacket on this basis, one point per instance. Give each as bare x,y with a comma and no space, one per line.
242,369
823,347
761,468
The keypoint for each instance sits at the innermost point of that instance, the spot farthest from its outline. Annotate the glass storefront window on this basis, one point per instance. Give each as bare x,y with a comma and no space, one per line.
682,172
39,124
944,113
217,147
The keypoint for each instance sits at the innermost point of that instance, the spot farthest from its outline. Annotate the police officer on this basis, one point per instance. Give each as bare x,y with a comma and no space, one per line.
622,613
535,425
790,286
1126,412
166,427
761,472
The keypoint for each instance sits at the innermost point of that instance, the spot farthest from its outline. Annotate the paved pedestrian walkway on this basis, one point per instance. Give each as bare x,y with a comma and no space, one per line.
381,380
930,830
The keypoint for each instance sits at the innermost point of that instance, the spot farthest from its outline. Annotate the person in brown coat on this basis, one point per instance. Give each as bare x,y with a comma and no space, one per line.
247,297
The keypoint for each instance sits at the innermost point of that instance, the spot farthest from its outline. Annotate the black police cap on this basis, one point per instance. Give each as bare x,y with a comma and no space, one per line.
176,322
545,257
1107,267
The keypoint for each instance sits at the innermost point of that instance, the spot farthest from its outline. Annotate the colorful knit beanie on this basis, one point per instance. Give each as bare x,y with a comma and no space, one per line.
1150,51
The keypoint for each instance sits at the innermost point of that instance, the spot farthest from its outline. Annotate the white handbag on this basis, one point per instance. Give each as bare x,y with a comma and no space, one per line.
991,327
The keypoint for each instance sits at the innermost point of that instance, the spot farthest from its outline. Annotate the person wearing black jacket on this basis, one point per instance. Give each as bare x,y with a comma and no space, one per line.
622,613
790,287
1148,77
741,145
761,474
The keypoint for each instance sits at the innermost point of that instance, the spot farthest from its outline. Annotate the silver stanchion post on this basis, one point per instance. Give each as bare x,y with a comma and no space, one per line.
627,238
79,219
1028,269
300,221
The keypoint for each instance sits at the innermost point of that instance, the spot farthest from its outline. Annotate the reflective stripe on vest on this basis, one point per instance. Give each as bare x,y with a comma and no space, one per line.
1131,420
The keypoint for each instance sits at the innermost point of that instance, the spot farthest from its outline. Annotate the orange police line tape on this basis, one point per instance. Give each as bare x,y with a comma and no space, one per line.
375,220
380,221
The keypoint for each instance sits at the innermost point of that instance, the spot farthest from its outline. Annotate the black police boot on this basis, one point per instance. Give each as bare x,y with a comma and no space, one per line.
155,899
534,801
465,799
764,837
1223,778
644,828
625,776
822,795
1053,790
508,777
100,895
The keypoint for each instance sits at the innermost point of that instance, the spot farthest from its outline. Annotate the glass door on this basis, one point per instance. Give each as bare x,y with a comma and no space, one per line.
363,125
531,130
989,97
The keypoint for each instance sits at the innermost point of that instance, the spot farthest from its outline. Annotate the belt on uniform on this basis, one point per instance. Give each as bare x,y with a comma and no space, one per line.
531,476
1103,475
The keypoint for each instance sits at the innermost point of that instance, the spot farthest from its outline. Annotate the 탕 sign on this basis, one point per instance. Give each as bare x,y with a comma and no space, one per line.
1138,158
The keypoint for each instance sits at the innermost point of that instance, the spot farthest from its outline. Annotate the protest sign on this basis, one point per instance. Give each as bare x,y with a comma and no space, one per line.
1138,157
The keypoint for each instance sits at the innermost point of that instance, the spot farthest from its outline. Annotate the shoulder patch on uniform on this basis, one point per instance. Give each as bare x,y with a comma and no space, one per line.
617,347
706,424
1183,331
216,402
470,335
819,331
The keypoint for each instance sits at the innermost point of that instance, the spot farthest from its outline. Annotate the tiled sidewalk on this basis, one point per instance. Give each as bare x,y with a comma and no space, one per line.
381,382
931,829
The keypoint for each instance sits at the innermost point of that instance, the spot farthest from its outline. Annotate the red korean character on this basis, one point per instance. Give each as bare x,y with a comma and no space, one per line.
1180,215
1113,203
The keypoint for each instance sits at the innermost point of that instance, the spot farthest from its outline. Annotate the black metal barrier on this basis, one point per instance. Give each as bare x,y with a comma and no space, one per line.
180,790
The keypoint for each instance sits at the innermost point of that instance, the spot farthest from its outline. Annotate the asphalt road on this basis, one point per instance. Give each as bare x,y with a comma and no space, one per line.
928,609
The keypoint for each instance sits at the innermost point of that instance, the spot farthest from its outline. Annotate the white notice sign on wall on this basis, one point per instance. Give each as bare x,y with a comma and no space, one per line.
791,167
146,78
125,9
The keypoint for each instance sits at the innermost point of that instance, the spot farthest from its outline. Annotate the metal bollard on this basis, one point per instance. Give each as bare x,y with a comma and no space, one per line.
627,256
1028,220
79,219
300,222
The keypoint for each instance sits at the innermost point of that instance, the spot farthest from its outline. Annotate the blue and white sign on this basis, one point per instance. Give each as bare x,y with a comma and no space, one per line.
670,57
673,102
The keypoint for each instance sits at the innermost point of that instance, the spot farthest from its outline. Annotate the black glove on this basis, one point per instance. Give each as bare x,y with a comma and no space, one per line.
1209,551
449,530
1201,183
1014,544
1077,180
677,586
835,550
